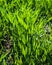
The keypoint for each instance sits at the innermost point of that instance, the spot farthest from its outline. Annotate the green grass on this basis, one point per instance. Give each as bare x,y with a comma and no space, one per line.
28,23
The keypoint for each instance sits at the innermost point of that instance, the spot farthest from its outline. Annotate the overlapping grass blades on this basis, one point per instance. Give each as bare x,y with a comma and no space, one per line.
26,22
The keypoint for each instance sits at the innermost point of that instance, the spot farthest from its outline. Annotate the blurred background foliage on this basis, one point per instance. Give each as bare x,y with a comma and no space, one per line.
25,32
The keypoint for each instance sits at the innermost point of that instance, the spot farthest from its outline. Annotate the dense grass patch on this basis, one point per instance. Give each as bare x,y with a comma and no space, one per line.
25,32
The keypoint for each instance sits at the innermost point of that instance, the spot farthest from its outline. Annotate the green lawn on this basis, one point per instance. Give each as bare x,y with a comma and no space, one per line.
25,32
